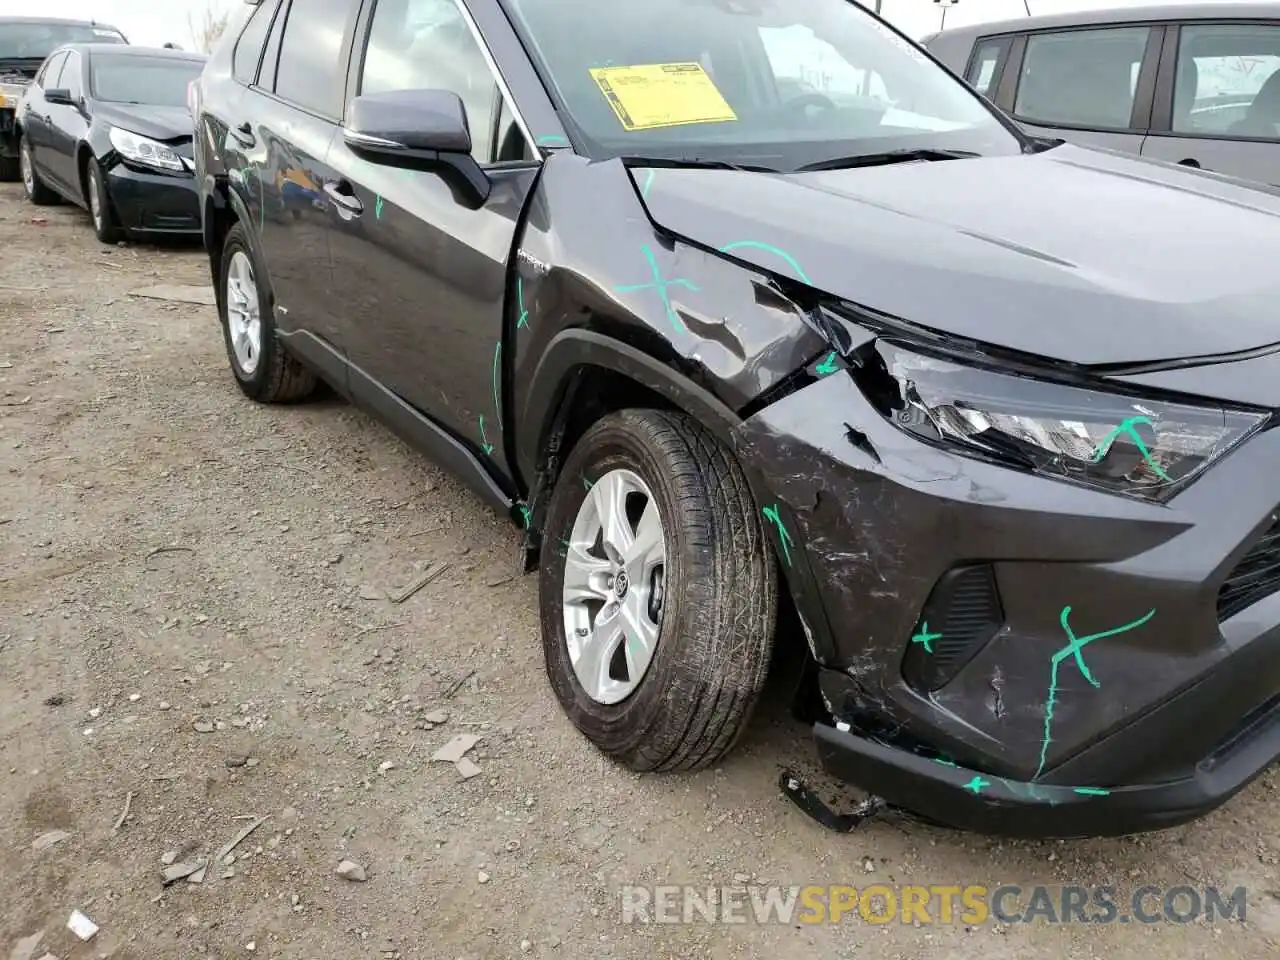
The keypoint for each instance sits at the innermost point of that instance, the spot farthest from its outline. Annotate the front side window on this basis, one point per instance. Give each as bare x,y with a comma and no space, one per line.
35,41
1228,81
70,79
778,83
309,72
1082,78
983,71
161,81
427,45
49,72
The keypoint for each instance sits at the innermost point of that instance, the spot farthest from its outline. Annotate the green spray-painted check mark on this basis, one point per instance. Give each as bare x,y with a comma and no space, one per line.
497,401
1074,649
784,538
925,638
1130,426
484,438
828,366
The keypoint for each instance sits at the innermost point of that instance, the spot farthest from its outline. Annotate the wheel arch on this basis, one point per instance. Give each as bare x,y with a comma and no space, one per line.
222,209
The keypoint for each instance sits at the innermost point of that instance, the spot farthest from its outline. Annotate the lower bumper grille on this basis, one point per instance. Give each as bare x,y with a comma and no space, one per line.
1257,575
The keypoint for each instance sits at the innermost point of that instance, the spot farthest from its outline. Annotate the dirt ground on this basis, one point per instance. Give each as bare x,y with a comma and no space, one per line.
175,559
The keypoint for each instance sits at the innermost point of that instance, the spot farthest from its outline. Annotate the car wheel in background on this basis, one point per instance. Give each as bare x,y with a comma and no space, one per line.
263,368
34,187
658,592
104,218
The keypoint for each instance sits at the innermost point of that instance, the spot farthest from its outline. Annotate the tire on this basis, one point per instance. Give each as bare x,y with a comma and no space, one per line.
10,170
715,631
32,185
101,211
273,376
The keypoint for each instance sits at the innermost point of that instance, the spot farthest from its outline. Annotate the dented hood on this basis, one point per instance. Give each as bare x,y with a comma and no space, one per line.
1079,255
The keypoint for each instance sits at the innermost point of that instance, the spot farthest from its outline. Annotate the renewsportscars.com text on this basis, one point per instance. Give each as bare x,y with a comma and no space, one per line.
970,905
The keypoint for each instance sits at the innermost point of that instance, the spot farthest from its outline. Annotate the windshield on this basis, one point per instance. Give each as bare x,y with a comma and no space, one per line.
161,81
781,83
35,41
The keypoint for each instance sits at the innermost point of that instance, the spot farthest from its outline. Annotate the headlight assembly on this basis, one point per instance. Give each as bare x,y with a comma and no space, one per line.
1117,443
146,152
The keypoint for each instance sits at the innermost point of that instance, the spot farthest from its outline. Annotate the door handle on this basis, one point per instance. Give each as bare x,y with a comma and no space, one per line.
343,199
243,134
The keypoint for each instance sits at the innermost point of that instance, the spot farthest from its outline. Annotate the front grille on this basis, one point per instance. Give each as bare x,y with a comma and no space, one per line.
964,612
1257,575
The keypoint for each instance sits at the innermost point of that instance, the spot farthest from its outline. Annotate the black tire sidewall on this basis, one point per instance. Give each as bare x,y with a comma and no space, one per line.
619,728
253,384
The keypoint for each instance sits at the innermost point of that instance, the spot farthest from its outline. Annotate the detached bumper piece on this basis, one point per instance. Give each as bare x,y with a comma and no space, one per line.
942,791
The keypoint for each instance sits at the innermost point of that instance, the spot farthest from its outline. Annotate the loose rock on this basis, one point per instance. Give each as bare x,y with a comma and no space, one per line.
47,840
352,871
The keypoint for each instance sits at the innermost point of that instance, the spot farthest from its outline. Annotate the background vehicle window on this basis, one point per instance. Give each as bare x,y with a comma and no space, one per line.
428,46
21,41
1228,81
70,78
154,80
983,70
803,62
1084,78
49,72
244,64
309,72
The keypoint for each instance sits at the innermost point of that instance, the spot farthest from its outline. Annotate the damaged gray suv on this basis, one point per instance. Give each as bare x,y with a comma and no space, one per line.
744,306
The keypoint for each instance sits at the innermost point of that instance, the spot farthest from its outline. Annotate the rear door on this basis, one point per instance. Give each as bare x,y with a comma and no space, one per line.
1217,101
35,128
288,119
67,126
1086,85
421,279
987,63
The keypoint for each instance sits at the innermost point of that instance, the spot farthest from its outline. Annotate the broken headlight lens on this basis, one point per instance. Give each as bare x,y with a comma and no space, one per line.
145,151
1121,444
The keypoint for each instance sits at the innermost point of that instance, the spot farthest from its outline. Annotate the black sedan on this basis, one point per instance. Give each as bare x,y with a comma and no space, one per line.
107,127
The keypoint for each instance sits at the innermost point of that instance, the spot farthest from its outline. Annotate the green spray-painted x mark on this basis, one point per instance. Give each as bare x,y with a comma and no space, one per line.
523,321
925,638
1130,426
661,284
784,538
1074,649
828,366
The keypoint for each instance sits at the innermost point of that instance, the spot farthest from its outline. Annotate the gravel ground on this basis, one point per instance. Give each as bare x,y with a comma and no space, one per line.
195,615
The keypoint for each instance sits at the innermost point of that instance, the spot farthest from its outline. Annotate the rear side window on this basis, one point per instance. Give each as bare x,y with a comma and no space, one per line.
1082,78
1228,81
244,63
986,66
310,73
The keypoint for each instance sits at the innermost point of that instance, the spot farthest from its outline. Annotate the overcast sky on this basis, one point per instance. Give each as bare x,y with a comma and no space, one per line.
153,22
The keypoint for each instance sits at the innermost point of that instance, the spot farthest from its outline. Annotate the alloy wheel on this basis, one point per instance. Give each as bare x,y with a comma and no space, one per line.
614,586
244,323
95,198
28,172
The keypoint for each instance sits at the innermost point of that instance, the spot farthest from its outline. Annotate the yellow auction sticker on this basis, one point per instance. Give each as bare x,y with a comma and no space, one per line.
652,95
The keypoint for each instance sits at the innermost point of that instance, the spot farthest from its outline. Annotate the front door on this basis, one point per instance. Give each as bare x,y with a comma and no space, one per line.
421,278
1082,85
67,126
35,128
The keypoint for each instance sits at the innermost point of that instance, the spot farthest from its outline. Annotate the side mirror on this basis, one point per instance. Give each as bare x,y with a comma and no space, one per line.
418,130
59,95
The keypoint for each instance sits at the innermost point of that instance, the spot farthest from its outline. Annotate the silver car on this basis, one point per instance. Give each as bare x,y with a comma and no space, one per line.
1194,84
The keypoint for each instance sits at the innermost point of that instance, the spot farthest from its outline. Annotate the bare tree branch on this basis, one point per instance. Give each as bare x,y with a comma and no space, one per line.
209,28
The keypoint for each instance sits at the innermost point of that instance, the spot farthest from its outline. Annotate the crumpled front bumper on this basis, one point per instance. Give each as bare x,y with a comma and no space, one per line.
1106,697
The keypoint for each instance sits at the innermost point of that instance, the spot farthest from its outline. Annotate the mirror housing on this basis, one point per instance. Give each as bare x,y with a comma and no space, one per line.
418,130
59,95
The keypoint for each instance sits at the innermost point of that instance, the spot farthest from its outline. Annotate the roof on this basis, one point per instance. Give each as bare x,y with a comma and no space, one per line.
132,50
60,21
1261,10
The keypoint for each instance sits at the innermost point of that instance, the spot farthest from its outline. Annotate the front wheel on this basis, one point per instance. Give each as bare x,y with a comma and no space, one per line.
658,592
100,209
